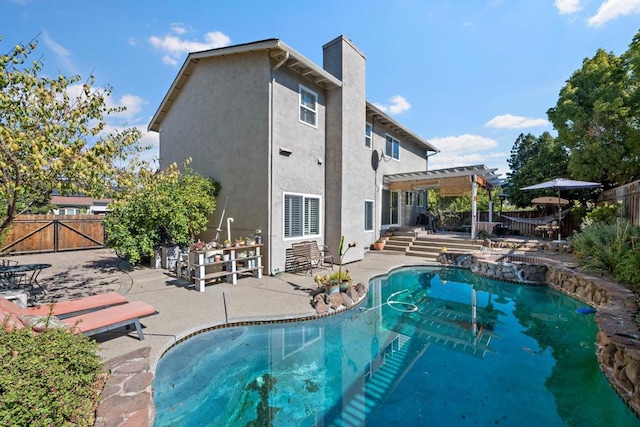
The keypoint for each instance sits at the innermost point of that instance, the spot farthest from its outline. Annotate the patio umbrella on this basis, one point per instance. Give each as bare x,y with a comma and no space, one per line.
560,184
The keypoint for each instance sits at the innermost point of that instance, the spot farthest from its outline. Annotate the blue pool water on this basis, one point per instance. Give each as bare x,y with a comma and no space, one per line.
430,346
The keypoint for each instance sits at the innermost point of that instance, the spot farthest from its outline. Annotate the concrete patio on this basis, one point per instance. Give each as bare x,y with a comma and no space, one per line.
181,310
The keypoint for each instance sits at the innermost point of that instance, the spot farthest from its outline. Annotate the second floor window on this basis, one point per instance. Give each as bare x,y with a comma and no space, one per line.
368,135
392,148
308,106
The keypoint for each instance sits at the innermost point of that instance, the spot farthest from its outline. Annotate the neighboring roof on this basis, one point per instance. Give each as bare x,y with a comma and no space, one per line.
77,201
431,179
382,118
277,49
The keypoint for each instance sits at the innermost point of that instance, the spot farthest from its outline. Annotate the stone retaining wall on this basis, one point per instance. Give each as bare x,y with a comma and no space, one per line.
617,342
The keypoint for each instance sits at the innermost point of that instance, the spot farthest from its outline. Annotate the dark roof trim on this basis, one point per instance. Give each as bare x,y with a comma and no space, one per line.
277,49
382,118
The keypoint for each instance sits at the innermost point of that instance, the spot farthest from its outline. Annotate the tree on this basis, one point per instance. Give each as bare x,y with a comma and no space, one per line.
534,160
595,121
167,208
53,140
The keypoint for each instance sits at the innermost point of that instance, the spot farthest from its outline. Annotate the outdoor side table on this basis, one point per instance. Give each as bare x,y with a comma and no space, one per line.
30,271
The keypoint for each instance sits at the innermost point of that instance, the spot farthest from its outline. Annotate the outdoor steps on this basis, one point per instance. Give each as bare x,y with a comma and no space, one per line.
427,245
431,245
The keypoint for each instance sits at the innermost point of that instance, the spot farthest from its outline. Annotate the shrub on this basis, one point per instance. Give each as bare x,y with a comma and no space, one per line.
49,378
169,208
612,248
606,214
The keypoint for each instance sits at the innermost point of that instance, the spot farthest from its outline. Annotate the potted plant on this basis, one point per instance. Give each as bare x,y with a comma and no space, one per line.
378,245
227,243
338,280
335,282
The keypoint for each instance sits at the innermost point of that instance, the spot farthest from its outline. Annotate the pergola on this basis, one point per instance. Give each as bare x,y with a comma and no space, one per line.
457,181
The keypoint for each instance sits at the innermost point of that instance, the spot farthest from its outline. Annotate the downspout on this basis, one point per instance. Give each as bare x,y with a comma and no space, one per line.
427,159
270,192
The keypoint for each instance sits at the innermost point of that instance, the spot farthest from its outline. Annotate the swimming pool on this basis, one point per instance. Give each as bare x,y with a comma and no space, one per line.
430,346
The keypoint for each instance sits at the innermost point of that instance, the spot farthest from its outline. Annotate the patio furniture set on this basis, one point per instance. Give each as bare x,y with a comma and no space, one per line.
89,315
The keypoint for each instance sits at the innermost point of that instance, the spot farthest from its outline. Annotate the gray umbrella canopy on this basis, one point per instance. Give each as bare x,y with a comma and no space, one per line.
560,184
563,184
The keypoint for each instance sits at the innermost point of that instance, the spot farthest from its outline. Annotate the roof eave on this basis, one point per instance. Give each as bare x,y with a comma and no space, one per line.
391,123
277,49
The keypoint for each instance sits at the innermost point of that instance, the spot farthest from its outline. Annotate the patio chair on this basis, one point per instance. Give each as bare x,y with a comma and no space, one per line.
308,255
79,306
89,323
115,317
70,308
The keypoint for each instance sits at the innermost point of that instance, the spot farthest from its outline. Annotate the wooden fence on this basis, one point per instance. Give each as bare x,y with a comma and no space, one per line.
522,228
53,233
629,196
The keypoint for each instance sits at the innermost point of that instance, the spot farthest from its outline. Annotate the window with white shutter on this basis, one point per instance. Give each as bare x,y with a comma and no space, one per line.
301,215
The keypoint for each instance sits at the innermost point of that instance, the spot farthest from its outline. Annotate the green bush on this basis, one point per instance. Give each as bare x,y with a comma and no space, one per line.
50,378
168,208
610,247
606,214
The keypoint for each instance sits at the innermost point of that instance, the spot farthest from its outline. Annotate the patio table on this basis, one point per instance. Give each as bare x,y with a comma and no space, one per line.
9,273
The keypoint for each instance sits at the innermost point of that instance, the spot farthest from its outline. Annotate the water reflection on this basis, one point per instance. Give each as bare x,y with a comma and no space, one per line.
404,352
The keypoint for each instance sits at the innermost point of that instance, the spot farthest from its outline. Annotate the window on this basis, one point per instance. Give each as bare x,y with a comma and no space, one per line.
392,149
368,134
368,215
308,106
70,211
421,198
301,216
408,198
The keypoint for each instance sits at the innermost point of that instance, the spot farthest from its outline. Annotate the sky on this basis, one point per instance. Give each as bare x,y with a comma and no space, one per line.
469,76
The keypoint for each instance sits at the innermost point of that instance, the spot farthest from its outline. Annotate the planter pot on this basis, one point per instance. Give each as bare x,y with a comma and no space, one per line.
378,246
345,285
225,257
332,288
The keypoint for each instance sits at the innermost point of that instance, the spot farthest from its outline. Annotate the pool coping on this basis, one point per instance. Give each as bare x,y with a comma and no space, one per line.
619,295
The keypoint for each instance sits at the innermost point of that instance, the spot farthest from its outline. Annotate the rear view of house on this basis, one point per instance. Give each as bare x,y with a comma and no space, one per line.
299,151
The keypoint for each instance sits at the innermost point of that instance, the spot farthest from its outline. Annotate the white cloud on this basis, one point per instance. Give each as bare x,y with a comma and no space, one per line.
174,47
132,103
60,51
568,7
491,160
462,143
508,121
178,28
397,104
612,9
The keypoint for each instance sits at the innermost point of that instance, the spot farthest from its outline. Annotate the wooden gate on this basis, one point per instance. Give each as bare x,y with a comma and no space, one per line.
53,233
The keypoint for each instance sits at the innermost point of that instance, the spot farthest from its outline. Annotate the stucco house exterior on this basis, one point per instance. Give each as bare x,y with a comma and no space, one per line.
299,151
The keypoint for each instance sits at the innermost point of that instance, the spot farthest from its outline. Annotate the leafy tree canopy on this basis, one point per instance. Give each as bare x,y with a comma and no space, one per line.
534,160
53,137
166,208
598,120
